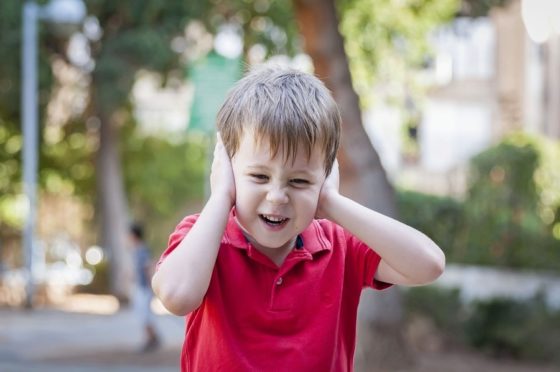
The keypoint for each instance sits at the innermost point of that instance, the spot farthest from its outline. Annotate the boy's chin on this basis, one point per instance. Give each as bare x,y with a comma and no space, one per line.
272,245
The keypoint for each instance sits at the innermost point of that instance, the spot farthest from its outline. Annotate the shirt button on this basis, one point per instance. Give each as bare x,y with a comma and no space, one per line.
279,281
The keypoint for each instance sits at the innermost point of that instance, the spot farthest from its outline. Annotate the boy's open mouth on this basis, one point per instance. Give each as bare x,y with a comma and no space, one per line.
273,220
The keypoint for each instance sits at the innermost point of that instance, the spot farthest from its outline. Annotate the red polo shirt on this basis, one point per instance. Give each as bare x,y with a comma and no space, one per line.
300,316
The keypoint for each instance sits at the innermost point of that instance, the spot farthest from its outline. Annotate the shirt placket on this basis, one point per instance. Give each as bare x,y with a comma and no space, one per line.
281,281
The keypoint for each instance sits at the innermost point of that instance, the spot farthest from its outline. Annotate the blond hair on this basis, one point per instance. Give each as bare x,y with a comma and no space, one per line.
284,106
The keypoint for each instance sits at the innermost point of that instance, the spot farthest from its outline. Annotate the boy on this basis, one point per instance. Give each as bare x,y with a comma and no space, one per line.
266,286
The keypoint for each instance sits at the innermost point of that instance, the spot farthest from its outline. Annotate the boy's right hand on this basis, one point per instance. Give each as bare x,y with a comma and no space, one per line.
222,182
329,189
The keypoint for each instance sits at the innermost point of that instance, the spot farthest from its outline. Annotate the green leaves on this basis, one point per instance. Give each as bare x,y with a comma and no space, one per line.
162,178
385,38
136,35
510,215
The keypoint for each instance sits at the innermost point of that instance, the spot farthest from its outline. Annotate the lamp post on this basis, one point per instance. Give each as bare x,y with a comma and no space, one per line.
65,13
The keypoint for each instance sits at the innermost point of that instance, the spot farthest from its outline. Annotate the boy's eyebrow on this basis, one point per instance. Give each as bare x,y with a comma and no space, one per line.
256,166
264,167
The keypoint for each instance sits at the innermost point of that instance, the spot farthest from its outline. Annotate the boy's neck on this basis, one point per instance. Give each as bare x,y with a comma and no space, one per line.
276,255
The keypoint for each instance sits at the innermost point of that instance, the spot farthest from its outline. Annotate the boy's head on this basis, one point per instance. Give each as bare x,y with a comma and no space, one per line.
286,109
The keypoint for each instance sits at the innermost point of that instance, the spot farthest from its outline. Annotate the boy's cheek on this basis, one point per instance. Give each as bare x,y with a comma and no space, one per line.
236,179
235,189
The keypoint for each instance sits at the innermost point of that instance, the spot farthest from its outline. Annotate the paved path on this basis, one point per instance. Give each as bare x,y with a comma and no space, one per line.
55,340
51,340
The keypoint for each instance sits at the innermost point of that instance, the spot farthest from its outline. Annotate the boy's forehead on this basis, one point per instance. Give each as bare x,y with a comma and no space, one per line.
261,143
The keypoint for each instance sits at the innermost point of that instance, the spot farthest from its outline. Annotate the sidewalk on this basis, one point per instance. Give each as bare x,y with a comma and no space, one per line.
58,340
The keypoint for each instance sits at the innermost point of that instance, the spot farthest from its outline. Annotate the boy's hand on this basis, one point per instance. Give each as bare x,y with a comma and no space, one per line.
221,177
328,190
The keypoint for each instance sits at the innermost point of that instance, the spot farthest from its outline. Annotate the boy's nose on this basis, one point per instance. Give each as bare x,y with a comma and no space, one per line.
277,195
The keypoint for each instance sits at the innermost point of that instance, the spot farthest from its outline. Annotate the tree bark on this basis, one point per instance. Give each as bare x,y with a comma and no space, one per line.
113,210
380,344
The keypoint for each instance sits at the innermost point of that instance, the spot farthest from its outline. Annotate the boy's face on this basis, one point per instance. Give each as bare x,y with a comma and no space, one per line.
275,199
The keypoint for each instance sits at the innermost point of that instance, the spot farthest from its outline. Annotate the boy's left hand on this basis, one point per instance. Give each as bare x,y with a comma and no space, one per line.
328,190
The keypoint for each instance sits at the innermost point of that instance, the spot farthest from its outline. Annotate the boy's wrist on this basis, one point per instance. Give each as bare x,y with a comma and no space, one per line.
221,199
328,205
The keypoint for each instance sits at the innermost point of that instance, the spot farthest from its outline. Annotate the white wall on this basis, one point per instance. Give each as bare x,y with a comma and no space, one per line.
452,132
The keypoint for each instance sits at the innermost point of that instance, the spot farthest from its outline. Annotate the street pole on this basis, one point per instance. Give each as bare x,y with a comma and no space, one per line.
69,12
29,112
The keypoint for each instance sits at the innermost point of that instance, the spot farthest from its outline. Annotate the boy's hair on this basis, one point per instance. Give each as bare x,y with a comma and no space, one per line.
285,107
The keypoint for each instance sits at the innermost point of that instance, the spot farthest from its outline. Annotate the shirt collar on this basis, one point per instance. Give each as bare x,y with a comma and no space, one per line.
312,239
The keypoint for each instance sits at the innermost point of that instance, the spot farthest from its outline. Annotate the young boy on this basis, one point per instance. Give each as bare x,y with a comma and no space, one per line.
266,286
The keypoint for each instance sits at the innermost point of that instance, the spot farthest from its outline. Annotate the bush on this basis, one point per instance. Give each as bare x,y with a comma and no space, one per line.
524,330
438,217
503,208
501,327
511,214
442,306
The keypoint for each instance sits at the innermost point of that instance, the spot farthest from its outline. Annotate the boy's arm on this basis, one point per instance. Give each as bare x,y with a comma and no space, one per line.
408,257
182,279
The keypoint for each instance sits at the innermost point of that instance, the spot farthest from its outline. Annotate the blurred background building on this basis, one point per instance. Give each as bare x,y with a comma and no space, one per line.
488,78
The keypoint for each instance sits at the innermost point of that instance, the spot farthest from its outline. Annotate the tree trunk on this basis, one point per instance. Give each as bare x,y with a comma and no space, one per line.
113,215
380,343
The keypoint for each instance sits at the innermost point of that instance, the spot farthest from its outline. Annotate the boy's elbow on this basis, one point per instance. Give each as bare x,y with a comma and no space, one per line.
436,266
176,301
178,306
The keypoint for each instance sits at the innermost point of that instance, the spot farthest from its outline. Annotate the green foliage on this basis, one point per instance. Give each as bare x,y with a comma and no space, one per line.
504,207
10,41
502,327
510,214
68,165
161,178
12,201
384,40
10,68
137,34
439,218
269,23
10,150
505,175
442,306
525,330
10,125
66,169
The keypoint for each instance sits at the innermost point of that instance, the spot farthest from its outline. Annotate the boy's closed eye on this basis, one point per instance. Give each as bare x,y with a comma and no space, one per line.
299,182
262,178
259,177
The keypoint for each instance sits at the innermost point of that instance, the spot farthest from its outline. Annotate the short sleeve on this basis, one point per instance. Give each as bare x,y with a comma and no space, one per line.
177,236
365,260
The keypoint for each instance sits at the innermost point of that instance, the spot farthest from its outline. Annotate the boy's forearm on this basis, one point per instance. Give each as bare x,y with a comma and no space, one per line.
406,250
184,276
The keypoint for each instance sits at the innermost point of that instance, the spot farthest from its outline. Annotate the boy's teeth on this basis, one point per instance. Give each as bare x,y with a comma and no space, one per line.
273,219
